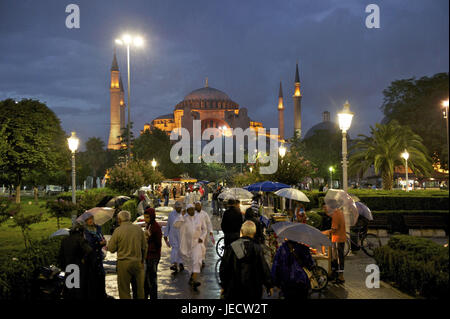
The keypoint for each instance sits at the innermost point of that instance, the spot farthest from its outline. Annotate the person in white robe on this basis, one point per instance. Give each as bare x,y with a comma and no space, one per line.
172,238
188,198
209,228
192,234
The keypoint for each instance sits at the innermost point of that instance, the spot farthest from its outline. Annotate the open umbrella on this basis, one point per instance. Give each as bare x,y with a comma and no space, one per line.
337,198
118,200
61,232
235,193
292,193
101,215
364,211
266,186
302,233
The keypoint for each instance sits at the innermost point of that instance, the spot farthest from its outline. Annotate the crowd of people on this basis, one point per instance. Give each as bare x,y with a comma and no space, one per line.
244,270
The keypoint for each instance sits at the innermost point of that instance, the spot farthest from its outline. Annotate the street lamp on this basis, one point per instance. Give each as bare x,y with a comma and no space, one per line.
73,142
251,170
154,164
405,156
331,176
445,112
345,121
136,41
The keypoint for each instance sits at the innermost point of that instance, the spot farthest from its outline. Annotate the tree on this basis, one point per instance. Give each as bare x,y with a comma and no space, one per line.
156,144
24,221
33,140
293,168
324,150
60,208
127,178
383,148
417,103
93,161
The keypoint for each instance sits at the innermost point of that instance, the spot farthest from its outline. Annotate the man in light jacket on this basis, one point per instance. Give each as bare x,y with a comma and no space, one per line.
129,242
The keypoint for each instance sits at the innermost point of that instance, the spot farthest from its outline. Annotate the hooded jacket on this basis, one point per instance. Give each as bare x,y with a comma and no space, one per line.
244,270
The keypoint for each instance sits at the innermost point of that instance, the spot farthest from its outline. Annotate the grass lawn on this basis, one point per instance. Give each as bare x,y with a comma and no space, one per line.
11,239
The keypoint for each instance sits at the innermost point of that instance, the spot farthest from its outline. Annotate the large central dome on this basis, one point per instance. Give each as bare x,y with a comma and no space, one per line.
207,93
207,98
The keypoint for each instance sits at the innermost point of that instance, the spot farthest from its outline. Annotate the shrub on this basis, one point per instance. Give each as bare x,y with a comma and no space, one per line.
17,273
131,206
417,265
314,219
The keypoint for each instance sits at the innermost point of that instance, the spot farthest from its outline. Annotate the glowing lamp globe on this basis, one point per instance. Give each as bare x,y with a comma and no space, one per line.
73,142
345,117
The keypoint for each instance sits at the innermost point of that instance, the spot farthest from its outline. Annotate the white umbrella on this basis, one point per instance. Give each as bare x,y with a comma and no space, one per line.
235,193
292,193
101,215
61,232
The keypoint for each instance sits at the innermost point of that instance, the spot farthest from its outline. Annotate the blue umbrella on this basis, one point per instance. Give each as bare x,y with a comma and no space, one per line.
364,211
266,186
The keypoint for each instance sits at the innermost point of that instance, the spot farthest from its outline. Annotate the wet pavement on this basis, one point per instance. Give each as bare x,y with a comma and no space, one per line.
175,286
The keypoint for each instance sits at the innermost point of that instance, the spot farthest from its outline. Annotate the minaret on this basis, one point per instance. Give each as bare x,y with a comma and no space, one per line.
115,98
122,105
281,114
297,106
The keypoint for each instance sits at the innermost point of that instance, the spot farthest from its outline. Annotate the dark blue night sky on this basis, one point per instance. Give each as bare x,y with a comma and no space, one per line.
244,48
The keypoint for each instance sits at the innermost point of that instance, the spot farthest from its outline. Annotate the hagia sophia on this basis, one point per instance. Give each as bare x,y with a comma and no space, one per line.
213,107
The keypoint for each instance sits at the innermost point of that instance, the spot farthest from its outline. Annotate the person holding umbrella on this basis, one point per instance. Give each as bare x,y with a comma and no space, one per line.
96,272
287,270
231,222
338,236
74,250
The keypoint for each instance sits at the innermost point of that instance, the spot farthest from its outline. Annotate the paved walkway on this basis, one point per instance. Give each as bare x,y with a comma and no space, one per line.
175,286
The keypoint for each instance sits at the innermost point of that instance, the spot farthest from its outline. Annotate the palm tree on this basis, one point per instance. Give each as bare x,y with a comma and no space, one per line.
383,148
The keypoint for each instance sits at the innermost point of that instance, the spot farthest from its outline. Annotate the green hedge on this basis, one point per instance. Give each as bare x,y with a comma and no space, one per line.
376,203
18,271
390,200
418,266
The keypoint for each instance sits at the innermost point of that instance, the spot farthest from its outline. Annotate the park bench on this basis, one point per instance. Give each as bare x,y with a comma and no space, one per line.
422,222
379,221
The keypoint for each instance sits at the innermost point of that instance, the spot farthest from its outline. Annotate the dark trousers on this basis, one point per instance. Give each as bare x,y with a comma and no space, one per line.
166,200
337,263
151,279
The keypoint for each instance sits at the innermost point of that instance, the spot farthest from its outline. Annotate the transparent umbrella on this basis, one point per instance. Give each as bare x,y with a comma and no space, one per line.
101,215
302,233
235,193
337,198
